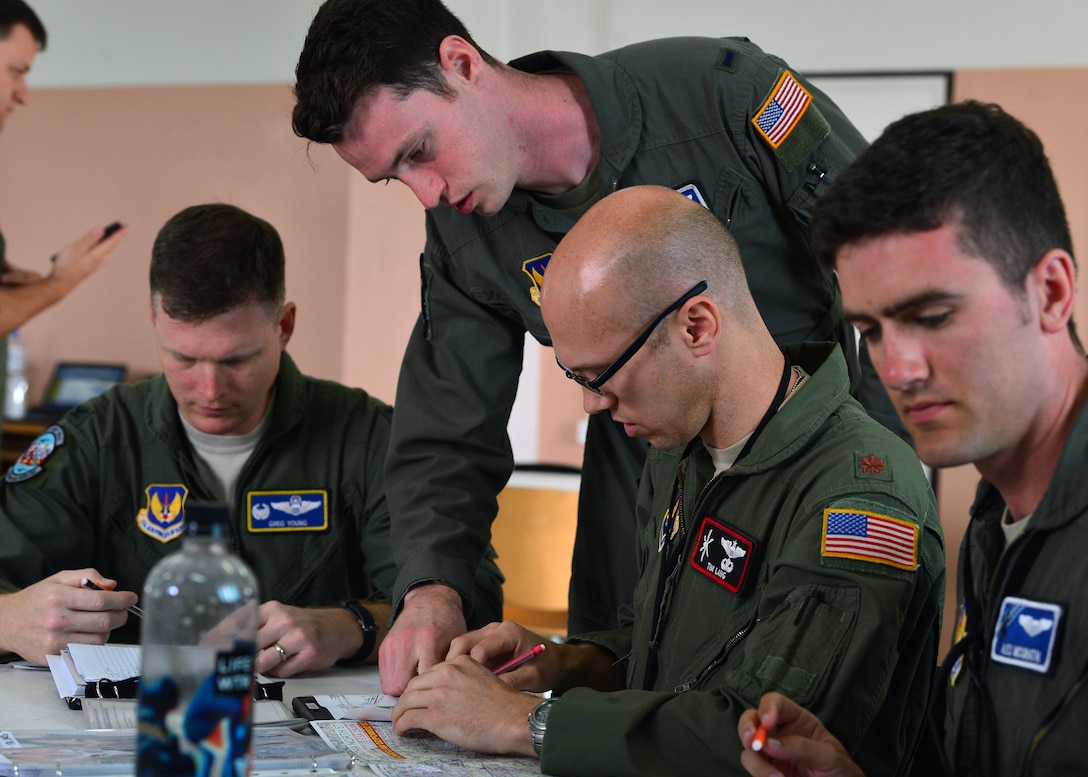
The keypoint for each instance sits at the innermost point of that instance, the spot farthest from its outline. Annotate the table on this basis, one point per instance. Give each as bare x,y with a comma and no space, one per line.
29,700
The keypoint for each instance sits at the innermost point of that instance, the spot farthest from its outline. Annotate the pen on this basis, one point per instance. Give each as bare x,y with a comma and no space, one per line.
759,739
514,663
88,583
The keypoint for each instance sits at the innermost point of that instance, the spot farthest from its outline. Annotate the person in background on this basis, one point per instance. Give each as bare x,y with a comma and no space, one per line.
786,540
953,250
506,159
24,293
101,495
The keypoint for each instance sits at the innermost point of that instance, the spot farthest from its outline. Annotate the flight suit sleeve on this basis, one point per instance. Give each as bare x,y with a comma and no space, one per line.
449,452
796,162
47,504
374,529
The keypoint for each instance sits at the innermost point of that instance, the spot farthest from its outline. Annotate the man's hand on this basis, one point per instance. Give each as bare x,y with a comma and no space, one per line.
43,618
464,703
797,743
310,638
82,257
432,616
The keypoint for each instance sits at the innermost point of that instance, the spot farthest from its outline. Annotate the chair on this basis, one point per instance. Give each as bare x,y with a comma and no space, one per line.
533,534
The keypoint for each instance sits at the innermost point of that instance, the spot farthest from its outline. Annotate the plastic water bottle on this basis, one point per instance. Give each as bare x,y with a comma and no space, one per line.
198,634
16,384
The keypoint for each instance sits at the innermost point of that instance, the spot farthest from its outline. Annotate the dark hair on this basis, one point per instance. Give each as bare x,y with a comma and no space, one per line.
354,47
969,164
210,259
14,12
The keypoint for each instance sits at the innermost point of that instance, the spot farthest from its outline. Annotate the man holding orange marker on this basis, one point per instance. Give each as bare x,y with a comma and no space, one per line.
785,540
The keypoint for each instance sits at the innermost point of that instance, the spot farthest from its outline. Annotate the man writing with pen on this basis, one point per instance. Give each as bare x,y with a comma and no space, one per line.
750,580
101,495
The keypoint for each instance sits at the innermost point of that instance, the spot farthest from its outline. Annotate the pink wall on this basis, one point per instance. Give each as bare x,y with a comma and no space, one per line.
1052,102
76,158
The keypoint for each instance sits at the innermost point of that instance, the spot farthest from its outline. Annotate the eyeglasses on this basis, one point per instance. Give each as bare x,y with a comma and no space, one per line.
595,384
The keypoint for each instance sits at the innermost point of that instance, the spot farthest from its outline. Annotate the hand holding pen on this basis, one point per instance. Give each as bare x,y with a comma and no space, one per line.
88,583
517,661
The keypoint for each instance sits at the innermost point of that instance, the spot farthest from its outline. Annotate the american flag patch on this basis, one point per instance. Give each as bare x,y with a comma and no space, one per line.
869,536
783,109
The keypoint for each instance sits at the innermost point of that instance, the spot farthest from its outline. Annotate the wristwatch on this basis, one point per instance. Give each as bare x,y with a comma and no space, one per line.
369,627
538,723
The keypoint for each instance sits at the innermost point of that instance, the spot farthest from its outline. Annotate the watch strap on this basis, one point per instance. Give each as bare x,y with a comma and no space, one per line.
369,627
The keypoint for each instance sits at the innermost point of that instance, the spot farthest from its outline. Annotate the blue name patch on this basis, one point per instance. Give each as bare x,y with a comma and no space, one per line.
288,511
1026,634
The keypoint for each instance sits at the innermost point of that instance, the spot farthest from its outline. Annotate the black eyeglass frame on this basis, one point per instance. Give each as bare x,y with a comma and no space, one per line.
595,384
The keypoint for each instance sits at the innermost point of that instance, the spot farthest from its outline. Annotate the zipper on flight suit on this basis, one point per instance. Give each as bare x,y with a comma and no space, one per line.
706,670
1039,735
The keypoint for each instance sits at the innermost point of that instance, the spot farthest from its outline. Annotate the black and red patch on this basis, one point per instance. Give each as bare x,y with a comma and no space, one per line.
723,554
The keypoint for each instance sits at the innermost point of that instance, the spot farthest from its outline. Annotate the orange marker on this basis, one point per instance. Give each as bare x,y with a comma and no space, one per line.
759,739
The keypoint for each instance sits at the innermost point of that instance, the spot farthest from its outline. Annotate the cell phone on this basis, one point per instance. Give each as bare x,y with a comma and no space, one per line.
109,230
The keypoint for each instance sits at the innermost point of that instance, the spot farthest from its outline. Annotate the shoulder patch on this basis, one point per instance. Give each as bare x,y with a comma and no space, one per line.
789,122
30,462
872,537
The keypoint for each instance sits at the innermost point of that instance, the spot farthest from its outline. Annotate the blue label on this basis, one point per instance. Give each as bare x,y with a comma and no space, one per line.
285,511
1026,634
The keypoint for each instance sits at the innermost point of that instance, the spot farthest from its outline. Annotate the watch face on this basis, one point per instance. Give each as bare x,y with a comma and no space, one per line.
540,712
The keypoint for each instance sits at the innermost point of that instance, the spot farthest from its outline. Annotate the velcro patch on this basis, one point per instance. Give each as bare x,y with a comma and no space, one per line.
163,518
535,268
789,122
691,191
866,536
1026,634
30,462
282,511
723,554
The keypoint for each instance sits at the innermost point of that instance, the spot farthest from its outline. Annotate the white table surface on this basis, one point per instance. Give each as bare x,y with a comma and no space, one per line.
29,699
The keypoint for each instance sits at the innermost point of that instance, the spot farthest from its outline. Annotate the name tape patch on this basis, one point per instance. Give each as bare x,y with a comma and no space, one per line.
282,511
1026,634
723,554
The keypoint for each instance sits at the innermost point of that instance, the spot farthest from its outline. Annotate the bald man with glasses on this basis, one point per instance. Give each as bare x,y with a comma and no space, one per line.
784,538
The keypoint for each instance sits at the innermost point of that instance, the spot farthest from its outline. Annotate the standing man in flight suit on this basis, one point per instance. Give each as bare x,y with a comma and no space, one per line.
506,158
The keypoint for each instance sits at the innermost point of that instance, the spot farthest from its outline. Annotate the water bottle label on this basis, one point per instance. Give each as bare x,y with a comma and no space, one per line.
208,737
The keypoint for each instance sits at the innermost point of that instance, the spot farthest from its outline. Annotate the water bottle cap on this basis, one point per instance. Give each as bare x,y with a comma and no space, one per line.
206,517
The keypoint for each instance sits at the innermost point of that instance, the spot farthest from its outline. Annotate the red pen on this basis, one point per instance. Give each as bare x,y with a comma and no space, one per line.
514,663
759,739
